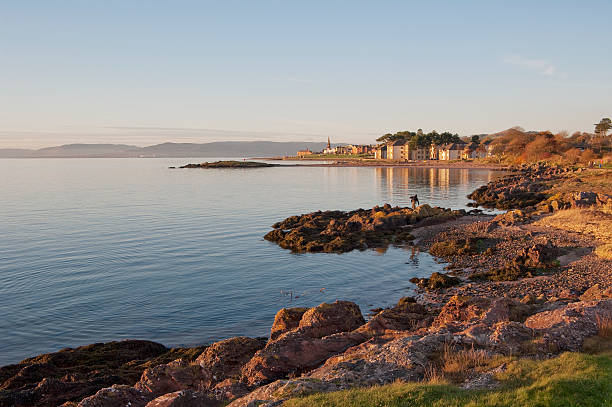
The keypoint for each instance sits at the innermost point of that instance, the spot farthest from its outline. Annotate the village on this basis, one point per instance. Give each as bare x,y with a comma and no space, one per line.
405,150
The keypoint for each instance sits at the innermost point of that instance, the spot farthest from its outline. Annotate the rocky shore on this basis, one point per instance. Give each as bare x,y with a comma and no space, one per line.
527,283
339,232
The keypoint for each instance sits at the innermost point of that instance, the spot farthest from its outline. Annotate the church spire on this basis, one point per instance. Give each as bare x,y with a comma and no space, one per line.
328,142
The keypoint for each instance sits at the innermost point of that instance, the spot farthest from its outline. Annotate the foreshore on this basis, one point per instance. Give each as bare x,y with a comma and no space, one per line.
359,162
529,283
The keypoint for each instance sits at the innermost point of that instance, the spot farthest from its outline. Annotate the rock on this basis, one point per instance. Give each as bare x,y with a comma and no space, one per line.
565,328
230,164
583,199
116,395
459,311
183,398
223,360
596,292
169,378
295,353
407,315
326,319
339,232
508,336
281,390
435,281
323,331
73,374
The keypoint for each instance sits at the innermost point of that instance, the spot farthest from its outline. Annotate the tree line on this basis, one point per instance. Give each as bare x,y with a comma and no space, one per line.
419,139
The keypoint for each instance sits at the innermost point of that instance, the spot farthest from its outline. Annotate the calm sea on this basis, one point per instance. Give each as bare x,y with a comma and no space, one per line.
95,250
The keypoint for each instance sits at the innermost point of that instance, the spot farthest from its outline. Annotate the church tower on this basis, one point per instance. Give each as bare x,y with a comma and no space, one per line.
328,142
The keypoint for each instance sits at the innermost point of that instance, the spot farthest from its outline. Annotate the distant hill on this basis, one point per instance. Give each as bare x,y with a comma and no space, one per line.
167,150
511,132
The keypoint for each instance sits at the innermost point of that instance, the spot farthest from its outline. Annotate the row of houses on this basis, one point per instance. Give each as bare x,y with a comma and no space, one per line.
350,149
400,150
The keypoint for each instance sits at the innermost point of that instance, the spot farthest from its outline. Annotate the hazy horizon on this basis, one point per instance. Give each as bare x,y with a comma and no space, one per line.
146,72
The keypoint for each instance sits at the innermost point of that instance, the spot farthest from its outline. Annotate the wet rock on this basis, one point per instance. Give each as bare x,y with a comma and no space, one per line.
72,374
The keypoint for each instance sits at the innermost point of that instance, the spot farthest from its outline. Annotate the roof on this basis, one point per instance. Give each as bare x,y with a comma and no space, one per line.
453,146
400,142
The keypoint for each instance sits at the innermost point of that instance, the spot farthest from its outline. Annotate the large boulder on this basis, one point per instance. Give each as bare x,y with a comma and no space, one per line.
461,311
220,361
565,328
323,331
327,319
223,360
406,316
285,320
169,378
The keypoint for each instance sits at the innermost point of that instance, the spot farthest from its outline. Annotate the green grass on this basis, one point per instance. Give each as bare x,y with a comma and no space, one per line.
571,379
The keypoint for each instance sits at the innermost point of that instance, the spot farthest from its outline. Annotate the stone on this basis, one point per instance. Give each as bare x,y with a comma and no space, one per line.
169,378
326,319
116,395
223,360
566,327
183,398
596,292
322,332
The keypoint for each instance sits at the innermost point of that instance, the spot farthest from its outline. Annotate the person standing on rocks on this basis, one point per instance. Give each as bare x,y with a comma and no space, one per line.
415,201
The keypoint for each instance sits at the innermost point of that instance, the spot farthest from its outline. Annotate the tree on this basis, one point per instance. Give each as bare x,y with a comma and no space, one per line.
476,139
603,126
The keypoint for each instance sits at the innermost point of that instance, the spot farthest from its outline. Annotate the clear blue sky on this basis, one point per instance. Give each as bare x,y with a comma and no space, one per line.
141,72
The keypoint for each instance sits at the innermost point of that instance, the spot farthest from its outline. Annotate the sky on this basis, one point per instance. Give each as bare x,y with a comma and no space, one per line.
142,72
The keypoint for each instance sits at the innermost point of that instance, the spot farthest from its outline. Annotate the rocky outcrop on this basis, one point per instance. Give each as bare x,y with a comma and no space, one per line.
230,164
566,328
72,374
219,362
323,331
336,231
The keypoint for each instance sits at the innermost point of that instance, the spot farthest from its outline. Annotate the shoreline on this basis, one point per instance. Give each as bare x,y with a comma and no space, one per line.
511,274
359,162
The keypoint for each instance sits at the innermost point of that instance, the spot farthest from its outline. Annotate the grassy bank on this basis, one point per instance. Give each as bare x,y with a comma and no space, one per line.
571,379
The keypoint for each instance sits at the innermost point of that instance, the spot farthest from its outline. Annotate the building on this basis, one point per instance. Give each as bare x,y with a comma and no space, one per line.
434,152
329,149
362,149
400,150
452,151
380,152
395,149
304,153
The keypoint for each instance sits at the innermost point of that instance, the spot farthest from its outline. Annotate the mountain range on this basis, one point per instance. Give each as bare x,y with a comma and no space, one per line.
167,150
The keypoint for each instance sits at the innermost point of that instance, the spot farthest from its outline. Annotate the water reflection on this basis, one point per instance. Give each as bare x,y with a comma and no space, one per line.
433,185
